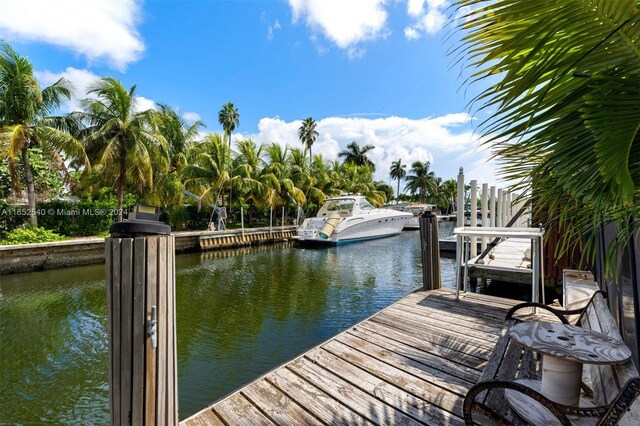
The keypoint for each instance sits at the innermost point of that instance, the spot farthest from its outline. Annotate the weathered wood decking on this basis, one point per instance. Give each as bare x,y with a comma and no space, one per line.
411,363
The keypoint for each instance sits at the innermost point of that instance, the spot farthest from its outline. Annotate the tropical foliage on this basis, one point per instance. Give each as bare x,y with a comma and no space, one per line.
564,81
125,143
25,122
357,155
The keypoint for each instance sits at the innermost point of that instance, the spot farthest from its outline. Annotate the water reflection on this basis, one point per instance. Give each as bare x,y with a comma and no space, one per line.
239,314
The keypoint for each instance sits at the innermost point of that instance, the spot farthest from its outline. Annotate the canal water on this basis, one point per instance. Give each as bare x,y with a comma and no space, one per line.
239,314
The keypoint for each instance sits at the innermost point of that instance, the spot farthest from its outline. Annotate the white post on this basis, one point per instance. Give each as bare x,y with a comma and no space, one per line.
492,207
270,220
282,223
474,217
504,207
242,219
460,199
499,209
535,276
459,252
483,213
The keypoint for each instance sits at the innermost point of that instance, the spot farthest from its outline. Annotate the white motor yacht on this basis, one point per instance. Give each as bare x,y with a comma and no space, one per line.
350,218
416,210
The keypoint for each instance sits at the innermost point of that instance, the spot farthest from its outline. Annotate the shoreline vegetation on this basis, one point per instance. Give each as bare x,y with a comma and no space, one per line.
73,175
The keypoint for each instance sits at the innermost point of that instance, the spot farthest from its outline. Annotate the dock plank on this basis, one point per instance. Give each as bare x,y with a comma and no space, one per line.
409,364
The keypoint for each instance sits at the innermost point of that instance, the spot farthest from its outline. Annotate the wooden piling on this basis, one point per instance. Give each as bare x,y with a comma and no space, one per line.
140,279
430,251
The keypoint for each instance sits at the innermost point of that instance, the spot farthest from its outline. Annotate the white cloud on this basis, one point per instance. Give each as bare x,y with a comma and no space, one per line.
191,116
429,21
272,28
415,7
143,104
411,33
345,23
97,29
445,141
82,80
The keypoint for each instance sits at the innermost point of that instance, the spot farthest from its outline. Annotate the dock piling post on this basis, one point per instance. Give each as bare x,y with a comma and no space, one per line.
242,219
460,199
474,216
499,208
430,250
492,207
483,213
140,284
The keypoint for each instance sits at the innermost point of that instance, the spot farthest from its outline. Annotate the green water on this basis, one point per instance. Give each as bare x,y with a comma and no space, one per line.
239,314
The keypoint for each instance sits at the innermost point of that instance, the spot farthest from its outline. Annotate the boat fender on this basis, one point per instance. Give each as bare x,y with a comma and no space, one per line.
330,225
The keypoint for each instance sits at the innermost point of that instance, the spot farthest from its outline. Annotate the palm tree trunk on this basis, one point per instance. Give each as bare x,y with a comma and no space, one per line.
230,176
398,192
310,159
122,180
31,190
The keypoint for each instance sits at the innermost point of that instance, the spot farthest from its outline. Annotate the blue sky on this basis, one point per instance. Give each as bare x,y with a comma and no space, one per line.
373,71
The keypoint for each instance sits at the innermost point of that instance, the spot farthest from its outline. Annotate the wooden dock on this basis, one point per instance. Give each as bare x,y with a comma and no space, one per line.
506,262
411,363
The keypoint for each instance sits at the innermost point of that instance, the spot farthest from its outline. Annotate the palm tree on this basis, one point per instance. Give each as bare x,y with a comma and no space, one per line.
168,187
25,122
420,180
307,134
118,136
398,172
357,155
206,172
229,119
449,191
567,113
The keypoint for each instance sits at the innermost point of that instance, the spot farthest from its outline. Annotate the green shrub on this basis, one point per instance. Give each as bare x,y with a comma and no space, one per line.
30,235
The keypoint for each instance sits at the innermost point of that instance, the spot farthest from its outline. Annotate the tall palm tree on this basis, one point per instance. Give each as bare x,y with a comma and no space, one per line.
420,180
357,155
307,134
168,187
567,115
449,191
25,122
229,119
118,136
207,170
398,171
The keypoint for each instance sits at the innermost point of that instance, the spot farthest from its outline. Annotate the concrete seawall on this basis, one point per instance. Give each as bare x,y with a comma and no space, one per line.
86,251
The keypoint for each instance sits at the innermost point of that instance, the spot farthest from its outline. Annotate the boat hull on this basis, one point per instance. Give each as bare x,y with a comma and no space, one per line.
352,230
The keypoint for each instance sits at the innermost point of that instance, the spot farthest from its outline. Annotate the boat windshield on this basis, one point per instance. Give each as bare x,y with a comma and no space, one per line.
364,205
338,205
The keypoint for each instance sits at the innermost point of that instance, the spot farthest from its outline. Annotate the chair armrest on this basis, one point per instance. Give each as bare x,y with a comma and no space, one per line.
470,403
560,313
557,312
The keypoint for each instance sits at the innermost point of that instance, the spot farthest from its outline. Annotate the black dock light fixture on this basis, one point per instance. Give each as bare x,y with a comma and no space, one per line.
141,220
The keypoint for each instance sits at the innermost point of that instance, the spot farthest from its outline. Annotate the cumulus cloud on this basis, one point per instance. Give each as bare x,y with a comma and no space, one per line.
344,23
82,80
191,116
411,33
429,20
440,140
104,30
